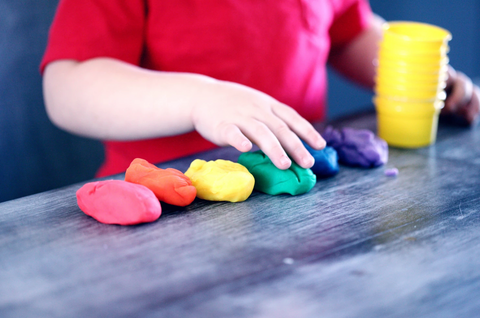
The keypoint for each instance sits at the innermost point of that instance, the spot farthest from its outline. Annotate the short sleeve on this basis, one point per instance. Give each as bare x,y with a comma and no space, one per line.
350,20
85,29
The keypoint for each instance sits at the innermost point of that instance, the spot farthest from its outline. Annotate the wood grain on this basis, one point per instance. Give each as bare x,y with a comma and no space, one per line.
360,244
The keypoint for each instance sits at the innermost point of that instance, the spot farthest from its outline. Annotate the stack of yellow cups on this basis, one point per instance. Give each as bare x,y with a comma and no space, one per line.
410,82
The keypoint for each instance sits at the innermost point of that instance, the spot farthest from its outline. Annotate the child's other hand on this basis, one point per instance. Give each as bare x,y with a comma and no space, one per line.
464,98
236,115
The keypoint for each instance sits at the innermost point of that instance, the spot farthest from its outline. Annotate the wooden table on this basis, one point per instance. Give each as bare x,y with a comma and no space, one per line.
360,244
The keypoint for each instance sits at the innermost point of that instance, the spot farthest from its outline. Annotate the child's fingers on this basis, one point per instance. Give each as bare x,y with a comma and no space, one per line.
290,142
264,138
300,126
233,136
473,107
461,89
238,116
463,97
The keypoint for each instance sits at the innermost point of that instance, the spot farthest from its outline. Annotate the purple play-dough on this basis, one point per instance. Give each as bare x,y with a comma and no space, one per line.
357,147
393,172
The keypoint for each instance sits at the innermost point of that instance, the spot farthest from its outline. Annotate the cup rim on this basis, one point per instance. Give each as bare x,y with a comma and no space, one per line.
437,55
412,62
408,70
387,71
440,95
412,67
437,104
403,113
405,85
389,29
418,52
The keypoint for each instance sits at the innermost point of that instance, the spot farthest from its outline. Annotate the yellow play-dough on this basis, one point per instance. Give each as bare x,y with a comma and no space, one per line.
220,180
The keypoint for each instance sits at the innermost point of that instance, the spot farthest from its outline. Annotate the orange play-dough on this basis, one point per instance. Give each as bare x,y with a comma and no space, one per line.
169,185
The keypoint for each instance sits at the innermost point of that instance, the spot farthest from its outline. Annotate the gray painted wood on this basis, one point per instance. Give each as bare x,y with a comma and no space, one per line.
360,244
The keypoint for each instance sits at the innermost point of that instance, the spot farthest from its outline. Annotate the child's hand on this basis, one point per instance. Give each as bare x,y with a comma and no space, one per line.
463,98
236,115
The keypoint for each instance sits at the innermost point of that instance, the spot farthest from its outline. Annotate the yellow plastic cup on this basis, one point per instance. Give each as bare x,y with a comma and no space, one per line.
392,61
387,104
409,57
401,93
407,131
419,51
412,68
407,124
415,36
402,83
418,48
414,85
400,74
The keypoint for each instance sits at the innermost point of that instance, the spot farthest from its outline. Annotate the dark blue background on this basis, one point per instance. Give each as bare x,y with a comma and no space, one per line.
36,156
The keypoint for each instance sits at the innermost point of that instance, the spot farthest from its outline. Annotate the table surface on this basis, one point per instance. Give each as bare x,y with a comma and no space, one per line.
360,244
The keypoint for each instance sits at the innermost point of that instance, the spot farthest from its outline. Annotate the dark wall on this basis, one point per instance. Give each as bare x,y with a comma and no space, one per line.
34,155
461,18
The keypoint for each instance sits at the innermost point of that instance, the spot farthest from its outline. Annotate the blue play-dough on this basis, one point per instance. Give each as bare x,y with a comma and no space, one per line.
326,161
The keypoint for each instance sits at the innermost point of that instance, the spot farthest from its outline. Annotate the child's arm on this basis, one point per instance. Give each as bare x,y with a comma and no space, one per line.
108,99
356,60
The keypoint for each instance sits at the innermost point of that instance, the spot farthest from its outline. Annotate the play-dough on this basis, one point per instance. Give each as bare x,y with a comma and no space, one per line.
118,202
357,147
326,161
169,185
392,172
220,180
271,180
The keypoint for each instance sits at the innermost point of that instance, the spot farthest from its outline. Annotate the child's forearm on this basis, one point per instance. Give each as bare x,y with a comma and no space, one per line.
356,59
109,99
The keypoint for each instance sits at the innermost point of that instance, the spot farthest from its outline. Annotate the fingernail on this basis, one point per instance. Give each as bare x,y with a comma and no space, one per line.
308,161
285,161
320,142
245,144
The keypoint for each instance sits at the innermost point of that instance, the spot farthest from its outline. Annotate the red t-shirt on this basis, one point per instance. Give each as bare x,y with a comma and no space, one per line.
279,47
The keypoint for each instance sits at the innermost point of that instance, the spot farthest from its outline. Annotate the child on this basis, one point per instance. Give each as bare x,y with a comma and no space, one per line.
164,79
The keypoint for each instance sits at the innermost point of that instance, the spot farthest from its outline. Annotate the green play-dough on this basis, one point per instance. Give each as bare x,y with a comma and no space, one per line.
271,180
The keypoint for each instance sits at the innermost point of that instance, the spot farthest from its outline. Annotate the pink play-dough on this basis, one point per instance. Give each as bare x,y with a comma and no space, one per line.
118,202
